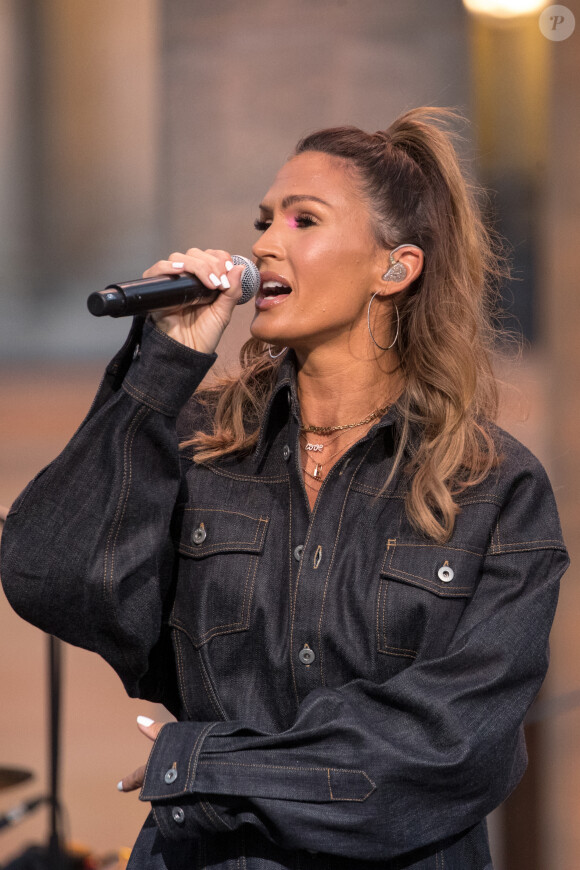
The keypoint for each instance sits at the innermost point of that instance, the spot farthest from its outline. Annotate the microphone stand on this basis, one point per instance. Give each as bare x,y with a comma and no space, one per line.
56,856
52,856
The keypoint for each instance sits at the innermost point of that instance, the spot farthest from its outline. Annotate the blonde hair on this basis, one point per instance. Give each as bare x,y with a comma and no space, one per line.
417,194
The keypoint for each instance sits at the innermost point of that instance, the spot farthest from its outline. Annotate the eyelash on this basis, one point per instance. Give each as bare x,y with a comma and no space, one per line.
304,221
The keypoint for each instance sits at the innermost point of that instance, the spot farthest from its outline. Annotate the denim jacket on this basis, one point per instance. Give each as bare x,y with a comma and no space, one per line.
348,693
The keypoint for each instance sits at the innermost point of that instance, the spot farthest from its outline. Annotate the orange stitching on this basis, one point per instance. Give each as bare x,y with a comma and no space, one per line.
208,686
180,673
523,549
240,625
384,647
384,633
220,511
453,549
108,570
549,544
194,757
371,490
211,814
329,784
288,767
430,586
139,395
294,598
223,546
378,607
326,583
399,653
247,477
125,501
317,558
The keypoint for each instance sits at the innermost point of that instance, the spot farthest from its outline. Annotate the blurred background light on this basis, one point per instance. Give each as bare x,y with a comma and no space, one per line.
505,8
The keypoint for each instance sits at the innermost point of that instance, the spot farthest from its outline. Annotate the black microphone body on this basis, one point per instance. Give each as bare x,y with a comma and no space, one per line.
20,811
149,294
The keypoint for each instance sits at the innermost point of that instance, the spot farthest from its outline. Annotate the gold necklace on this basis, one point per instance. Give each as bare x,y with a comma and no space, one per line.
312,447
317,475
327,430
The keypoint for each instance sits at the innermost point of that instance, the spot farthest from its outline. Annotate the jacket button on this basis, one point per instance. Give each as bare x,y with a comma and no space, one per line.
170,776
306,655
199,535
178,815
446,574
298,552
286,452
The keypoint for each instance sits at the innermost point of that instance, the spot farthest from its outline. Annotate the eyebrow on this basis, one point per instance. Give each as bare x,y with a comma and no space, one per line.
293,198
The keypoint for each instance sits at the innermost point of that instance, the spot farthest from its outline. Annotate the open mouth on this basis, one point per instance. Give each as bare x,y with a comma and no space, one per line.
273,290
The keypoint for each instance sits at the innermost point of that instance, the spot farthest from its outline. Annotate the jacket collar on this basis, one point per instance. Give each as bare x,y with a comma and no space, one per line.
284,399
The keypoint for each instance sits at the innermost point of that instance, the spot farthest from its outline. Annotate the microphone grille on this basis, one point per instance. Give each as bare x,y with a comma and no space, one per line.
250,278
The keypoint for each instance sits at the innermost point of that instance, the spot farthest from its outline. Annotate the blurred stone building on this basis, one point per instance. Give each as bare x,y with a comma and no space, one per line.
132,128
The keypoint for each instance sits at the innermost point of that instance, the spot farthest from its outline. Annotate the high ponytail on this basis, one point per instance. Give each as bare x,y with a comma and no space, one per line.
417,195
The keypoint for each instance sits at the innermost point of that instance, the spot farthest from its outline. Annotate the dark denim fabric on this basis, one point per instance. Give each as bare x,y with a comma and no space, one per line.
391,738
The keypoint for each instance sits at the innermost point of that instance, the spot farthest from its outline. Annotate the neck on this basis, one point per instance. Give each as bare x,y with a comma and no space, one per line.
334,390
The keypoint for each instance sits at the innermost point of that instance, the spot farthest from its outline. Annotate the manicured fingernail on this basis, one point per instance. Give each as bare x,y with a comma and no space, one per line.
225,283
215,280
177,265
145,720
229,265
120,785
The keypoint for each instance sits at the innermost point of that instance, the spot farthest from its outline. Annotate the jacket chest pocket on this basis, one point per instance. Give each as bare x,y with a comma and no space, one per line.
219,552
423,591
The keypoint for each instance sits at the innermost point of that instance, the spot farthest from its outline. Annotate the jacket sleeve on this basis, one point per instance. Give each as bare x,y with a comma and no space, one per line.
107,501
370,770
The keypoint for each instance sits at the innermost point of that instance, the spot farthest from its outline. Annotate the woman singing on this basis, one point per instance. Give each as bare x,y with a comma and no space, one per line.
334,569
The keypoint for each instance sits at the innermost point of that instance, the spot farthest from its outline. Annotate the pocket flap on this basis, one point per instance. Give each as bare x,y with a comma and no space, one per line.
207,530
450,572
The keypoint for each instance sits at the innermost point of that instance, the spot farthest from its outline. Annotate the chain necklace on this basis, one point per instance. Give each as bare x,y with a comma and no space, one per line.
327,430
317,475
312,447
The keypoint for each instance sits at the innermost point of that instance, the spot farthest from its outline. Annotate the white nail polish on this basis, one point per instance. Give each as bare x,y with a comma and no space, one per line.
177,265
225,283
120,785
229,265
215,280
145,720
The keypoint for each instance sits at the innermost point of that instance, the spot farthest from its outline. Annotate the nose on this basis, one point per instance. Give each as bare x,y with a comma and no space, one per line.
268,245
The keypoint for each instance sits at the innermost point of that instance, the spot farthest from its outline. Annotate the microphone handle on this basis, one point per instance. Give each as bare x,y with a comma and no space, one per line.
20,811
147,294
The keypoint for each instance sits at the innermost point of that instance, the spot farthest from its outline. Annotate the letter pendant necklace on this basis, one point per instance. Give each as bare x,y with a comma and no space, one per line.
313,449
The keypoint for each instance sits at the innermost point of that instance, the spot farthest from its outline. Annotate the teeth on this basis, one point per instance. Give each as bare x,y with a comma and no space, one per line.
274,285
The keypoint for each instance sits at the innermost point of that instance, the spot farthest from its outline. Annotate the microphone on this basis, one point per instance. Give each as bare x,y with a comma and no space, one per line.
20,811
149,294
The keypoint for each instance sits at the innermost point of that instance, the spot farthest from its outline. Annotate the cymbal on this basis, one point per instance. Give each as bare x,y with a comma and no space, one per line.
10,776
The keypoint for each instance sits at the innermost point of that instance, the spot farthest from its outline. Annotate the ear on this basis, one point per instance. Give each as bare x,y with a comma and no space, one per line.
404,266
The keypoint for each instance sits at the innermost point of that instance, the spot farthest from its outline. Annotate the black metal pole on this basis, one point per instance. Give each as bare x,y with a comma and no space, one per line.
55,852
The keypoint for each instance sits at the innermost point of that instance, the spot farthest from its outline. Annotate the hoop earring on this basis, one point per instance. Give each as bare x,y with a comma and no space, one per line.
275,355
370,330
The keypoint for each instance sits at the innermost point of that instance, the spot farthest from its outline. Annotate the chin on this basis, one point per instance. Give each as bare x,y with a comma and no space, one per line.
264,334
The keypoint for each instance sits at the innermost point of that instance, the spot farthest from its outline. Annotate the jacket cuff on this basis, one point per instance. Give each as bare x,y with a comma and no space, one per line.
164,373
170,781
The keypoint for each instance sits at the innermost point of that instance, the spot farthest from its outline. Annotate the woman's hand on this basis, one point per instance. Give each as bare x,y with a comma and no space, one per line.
200,327
135,780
